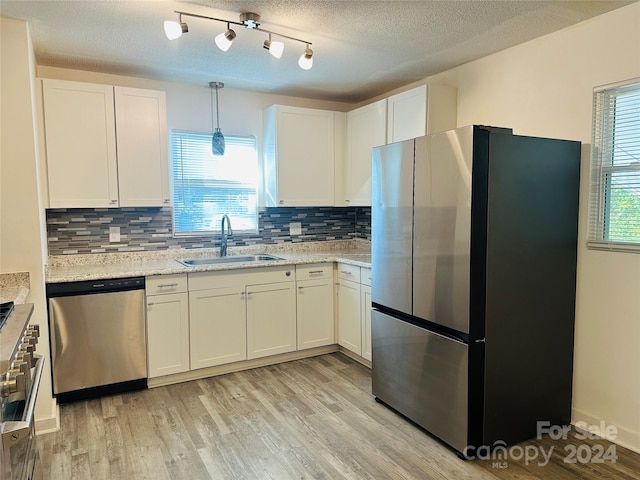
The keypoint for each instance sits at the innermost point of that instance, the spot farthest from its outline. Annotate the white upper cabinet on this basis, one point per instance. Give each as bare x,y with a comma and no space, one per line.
300,150
420,111
105,149
81,144
366,128
141,143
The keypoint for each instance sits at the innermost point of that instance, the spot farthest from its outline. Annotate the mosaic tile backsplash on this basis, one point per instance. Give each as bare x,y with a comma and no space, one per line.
86,230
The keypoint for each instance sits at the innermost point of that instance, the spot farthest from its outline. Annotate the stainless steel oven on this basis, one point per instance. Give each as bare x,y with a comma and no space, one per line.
21,370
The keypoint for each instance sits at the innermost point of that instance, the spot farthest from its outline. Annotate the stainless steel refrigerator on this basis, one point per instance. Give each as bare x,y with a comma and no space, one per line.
474,239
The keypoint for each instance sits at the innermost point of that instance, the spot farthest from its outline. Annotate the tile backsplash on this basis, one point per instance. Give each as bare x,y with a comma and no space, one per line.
86,230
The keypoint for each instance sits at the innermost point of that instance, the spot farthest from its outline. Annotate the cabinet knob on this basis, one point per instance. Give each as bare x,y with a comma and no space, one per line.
166,200
281,202
113,202
288,274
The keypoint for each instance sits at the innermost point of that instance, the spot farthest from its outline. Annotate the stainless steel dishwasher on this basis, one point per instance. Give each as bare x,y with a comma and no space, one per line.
98,337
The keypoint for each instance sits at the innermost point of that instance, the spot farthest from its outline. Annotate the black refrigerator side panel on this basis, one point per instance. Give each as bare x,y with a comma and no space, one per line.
530,284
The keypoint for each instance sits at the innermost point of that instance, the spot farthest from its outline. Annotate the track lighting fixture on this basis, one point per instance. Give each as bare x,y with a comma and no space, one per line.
248,20
175,30
275,48
224,40
306,59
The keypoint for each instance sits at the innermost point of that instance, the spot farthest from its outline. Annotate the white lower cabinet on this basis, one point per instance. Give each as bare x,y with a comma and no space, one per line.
365,311
238,315
315,305
218,326
167,325
206,319
271,319
354,309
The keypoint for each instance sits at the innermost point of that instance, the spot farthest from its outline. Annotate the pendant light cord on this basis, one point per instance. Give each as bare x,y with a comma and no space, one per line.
217,112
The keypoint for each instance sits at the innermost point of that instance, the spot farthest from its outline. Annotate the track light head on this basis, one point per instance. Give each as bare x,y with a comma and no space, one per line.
275,48
174,29
306,59
224,40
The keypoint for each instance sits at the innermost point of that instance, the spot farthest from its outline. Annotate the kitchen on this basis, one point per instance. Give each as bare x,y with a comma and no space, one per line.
494,91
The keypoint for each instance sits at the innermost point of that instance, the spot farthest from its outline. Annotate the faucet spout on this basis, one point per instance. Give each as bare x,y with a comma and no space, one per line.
224,235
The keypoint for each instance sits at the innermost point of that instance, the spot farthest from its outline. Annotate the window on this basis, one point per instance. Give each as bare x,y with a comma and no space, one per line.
205,186
614,198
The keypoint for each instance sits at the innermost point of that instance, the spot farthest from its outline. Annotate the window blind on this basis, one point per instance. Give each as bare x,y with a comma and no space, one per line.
614,198
205,186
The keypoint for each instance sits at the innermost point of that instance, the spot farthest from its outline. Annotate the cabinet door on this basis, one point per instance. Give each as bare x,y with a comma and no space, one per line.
407,115
300,166
365,312
315,313
167,334
218,327
271,319
80,144
366,128
349,326
141,120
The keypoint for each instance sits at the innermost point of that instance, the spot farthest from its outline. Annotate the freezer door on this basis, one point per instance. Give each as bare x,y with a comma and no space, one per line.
442,228
422,375
392,224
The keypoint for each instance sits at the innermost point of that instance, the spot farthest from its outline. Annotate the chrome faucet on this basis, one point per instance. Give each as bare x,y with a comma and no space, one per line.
223,240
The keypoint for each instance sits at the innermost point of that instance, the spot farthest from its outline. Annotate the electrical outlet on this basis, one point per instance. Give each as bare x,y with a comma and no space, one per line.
295,228
114,234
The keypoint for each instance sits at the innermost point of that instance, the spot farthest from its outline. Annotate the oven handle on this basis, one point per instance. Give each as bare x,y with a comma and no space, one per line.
14,432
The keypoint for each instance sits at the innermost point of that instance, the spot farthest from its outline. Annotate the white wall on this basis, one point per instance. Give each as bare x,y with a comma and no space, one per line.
22,244
544,88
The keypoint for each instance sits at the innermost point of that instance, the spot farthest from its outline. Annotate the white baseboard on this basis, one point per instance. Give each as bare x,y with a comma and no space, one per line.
51,424
355,356
239,366
620,436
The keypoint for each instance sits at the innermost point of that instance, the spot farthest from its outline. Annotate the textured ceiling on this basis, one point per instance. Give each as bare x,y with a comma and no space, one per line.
361,48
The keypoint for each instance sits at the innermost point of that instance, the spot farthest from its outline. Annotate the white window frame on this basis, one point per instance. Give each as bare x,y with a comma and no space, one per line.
609,159
178,174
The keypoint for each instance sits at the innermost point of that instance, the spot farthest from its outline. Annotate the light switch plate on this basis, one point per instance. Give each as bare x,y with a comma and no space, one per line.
114,234
295,228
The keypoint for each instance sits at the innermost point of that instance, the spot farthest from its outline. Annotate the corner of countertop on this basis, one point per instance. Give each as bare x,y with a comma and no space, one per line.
14,287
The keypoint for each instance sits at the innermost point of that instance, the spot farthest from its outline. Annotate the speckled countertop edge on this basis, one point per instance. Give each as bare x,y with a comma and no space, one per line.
14,287
104,266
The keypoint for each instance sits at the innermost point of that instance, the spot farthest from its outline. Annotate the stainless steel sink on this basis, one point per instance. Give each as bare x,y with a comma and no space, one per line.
204,261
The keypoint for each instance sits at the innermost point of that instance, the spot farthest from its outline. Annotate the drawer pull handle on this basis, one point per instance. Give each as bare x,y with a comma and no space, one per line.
315,272
346,272
150,304
166,285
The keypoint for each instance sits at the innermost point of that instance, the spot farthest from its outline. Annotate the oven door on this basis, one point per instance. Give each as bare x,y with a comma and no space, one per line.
19,453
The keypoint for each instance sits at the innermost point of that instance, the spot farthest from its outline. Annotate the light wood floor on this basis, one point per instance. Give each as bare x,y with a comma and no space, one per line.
308,419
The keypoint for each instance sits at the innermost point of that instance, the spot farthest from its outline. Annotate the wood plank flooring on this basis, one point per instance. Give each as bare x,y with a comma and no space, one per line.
307,419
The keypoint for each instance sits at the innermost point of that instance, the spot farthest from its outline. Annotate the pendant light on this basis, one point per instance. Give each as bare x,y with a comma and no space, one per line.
217,140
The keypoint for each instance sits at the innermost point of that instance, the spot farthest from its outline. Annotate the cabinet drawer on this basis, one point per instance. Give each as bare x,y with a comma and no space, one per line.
365,276
161,284
316,270
349,272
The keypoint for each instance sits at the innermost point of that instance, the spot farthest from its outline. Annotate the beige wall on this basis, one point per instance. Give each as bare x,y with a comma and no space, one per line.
544,88
21,218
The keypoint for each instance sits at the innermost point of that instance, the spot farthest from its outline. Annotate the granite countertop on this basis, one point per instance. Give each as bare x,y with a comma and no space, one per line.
14,287
71,268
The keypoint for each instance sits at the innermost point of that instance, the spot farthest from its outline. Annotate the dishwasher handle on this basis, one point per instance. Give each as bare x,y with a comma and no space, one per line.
88,287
